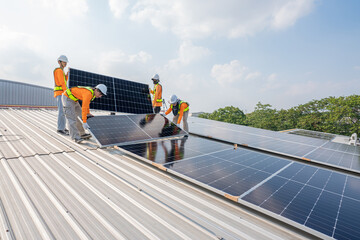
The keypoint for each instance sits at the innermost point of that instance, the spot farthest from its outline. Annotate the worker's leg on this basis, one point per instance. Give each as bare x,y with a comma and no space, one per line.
157,109
185,123
61,115
79,124
70,114
175,119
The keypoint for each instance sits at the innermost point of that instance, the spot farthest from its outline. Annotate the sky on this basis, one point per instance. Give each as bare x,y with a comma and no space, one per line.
210,53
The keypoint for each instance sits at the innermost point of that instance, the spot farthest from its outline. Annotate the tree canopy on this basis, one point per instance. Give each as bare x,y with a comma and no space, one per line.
332,115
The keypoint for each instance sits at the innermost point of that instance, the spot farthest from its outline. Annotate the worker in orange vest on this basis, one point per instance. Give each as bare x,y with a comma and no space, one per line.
73,110
180,110
60,86
157,92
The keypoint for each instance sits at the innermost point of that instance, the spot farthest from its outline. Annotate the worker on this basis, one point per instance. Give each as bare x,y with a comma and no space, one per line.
157,92
180,110
60,86
73,110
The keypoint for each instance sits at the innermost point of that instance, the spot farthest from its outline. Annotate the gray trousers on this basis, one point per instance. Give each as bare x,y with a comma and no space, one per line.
184,118
72,111
61,116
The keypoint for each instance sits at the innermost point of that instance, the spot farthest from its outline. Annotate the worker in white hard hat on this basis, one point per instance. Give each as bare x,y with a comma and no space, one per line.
180,110
157,93
60,79
73,110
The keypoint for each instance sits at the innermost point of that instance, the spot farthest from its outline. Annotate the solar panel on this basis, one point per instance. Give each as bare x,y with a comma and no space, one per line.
124,129
122,95
306,148
303,195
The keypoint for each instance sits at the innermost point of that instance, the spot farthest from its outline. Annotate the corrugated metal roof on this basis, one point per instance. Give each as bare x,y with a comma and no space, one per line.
52,188
17,93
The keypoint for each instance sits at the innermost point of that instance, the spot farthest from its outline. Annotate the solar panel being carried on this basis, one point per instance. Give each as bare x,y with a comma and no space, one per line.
316,200
306,148
122,95
128,129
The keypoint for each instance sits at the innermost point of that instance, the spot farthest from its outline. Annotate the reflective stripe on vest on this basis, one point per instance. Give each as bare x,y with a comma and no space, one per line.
157,100
186,109
72,97
59,88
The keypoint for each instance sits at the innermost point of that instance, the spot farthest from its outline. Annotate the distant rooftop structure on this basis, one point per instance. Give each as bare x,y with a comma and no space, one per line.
17,94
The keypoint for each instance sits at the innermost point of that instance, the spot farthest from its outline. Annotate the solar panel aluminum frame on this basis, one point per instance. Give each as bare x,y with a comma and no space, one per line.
181,134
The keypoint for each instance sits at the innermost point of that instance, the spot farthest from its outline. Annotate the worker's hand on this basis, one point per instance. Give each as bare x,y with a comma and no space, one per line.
86,126
178,125
162,114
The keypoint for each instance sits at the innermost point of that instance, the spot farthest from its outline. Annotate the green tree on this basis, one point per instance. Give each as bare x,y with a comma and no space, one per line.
228,114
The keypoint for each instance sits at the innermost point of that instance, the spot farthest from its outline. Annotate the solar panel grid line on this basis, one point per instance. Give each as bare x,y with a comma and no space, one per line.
265,180
288,221
337,216
313,150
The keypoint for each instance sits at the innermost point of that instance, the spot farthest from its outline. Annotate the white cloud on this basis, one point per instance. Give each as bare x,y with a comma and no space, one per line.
229,72
287,14
253,76
231,18
188,53
118,7
357,67
63,8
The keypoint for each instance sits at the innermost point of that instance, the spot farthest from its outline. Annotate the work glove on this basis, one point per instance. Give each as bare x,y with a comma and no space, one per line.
178,125
162,114
86,126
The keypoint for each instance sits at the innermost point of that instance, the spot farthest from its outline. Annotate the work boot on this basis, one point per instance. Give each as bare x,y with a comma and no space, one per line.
86,136
65,131
79,140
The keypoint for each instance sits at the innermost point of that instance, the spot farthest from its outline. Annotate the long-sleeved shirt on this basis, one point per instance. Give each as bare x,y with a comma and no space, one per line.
183,106
157,101
59,78
85,96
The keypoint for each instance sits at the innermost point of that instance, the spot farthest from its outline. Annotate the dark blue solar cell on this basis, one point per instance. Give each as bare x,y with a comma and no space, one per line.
282,197
324,214
320,178
352,189
336,183
348,224
263,192
300,208
304,174
276,165
291,171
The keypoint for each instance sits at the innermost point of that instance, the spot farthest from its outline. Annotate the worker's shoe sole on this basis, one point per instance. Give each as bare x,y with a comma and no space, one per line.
65,132
79,140
85,136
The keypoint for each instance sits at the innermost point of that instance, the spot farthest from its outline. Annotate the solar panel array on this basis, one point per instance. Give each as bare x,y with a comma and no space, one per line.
122,95
303,195
310,149
120,129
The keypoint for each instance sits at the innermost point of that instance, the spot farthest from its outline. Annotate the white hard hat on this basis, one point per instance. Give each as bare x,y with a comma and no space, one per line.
173,99
63,58
102,88
156,77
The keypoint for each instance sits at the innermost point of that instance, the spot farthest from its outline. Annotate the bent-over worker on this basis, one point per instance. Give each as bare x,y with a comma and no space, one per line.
180,110
73,110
